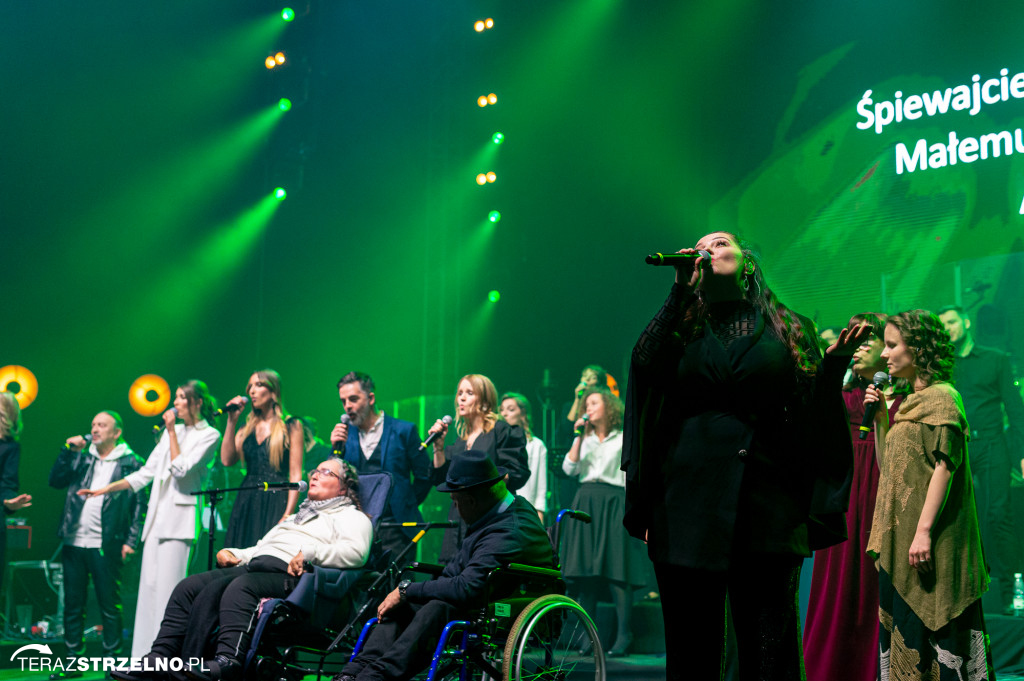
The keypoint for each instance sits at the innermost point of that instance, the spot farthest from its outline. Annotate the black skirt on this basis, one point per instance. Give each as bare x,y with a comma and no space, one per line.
602,548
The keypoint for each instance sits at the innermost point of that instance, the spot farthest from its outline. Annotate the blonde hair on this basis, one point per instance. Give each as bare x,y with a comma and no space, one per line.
486,403
10,417
278,430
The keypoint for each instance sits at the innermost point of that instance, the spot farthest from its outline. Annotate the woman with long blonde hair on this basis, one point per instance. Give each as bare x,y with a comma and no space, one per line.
271,451
10,457
478,427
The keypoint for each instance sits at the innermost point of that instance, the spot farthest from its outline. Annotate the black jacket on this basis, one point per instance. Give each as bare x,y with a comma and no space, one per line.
123,512
513,536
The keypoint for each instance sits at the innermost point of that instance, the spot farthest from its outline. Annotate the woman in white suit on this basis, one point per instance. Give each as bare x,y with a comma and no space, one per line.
176,467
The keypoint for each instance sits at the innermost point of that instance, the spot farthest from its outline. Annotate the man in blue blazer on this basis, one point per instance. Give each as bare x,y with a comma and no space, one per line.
375,442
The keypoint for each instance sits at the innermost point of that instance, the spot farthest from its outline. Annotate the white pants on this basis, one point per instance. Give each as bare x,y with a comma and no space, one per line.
164,564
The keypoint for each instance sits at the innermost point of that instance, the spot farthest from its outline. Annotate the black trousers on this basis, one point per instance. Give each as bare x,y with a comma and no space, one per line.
105,569
763,598
990,469
219,607
403,643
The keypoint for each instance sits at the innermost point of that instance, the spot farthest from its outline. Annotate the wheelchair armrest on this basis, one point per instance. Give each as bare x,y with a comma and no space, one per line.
425,568
519,568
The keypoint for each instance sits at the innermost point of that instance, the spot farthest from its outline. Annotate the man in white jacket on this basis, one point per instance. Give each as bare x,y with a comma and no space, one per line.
329,529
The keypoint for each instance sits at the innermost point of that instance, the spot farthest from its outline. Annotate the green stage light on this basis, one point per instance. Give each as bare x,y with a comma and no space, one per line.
494,216
284,104
287,14
494,296
498,138
280,194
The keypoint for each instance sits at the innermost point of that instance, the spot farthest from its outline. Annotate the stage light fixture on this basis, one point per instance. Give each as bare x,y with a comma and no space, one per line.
279,57
479,26
284,104
494,216
280,194
494,296
481,101
270,62
149,395
481,179
287,14
492,98
491,177
497,138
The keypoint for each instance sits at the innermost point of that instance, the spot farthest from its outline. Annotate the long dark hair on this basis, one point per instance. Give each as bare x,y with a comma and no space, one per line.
782,322
195,390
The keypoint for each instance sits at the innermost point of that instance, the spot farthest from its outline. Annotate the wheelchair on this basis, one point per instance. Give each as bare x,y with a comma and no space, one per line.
532,633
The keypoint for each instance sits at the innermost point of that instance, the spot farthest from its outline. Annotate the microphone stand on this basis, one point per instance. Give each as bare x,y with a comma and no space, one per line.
213,496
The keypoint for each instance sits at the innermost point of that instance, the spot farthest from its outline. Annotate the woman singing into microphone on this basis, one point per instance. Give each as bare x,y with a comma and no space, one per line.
924,536
479,427
736,451
271,451
176,467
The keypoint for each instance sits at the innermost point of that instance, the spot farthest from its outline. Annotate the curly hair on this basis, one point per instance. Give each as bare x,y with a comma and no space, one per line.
927,338
782,322
613,407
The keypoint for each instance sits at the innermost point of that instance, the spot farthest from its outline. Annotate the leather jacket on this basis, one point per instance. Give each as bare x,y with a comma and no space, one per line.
123,512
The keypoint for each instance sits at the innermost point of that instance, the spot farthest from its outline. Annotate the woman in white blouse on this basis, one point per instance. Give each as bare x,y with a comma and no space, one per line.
601,554
176,467
515,409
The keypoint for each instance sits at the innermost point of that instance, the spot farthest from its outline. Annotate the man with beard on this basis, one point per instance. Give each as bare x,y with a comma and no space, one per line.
985,381
382,443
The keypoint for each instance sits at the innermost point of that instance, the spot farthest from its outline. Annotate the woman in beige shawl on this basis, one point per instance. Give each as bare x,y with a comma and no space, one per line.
924,536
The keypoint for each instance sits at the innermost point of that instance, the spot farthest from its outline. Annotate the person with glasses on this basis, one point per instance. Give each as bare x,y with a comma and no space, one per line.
329,529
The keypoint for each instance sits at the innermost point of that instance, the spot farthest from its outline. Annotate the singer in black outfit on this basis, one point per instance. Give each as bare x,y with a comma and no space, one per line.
479,427
271,451
736,453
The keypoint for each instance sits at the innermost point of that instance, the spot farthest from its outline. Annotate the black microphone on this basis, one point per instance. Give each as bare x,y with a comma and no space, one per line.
880,379
301,485
158,427
338,447
659,259
88,441
446,420
231,408
581,429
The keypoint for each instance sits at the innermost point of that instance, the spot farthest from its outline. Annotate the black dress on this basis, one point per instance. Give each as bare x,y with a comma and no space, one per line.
506,445
10,456
256,512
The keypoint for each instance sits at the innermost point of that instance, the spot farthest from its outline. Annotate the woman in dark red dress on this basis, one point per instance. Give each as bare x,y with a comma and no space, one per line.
841,630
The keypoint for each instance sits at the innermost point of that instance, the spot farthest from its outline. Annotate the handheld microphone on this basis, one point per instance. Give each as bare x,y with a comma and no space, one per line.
660,259
301,485
446,420
231,408
340,446
579,431
158,427
88,441
880,379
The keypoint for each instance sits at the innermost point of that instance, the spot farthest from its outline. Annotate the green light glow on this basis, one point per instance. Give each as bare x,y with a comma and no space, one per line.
284,104
280,194
494,296
494,216
498,138
287,14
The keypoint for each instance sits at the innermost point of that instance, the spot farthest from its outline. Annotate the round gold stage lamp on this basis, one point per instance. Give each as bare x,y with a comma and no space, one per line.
21,382
149,395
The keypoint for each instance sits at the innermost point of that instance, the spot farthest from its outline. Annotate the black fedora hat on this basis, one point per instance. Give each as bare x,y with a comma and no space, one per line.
471,468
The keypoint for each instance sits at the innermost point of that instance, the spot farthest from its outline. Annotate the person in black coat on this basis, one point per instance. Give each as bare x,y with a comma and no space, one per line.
737,456
10,457
479,427
502,529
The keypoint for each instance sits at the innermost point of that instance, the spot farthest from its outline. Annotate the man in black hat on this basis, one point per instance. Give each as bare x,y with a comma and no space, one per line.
501,529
